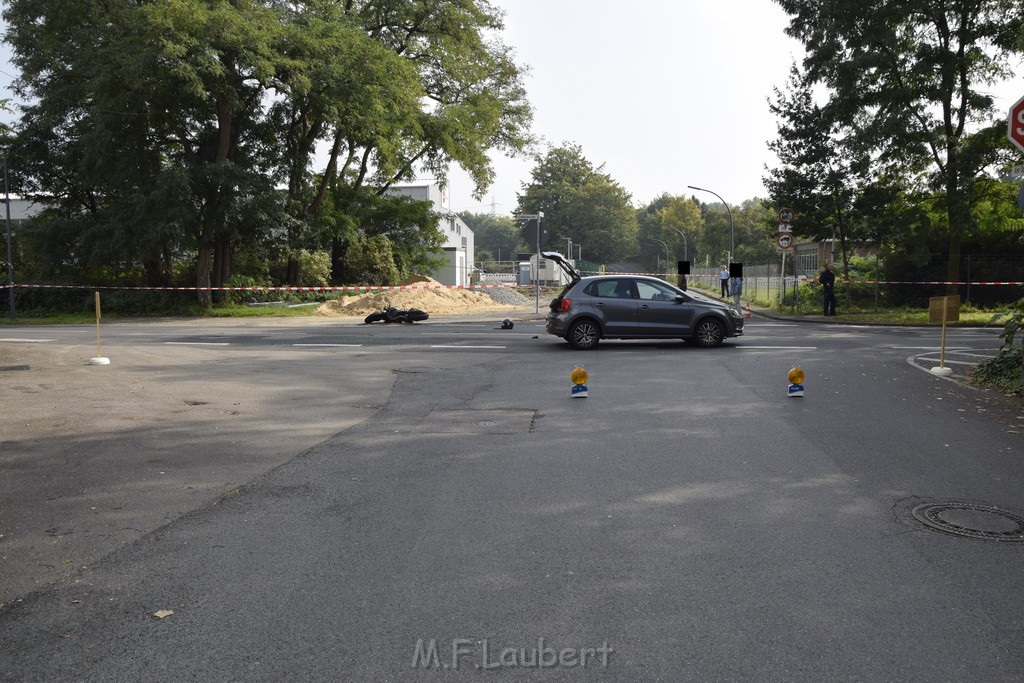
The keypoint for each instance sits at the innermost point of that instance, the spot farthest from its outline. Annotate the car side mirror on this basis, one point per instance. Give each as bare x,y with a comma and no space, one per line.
681,298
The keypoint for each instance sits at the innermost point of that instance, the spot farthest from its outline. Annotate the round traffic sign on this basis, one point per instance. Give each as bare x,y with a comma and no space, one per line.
786,216
784,241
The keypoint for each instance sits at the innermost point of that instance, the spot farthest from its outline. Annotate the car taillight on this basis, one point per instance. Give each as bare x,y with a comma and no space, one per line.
564,305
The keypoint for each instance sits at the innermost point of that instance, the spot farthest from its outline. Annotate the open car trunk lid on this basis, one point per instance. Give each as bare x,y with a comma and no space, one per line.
573,274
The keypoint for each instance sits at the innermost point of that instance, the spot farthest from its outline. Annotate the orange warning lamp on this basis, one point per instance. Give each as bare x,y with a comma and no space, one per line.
796,376
579,379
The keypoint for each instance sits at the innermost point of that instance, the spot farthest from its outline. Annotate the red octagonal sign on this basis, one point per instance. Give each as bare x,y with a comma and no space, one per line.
1015,130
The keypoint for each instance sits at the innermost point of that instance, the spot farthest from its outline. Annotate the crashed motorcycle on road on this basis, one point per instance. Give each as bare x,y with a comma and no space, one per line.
392,314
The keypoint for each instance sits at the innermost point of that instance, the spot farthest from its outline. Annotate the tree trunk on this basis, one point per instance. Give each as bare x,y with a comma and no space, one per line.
294,276
338,248
203,258
222,269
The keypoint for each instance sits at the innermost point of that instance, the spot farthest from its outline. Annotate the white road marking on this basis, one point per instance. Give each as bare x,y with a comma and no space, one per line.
460,346
199,343
345,345
914,348
12,340
744,346
947,361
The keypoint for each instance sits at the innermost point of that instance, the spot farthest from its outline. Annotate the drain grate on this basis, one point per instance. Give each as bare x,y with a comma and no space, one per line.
972,521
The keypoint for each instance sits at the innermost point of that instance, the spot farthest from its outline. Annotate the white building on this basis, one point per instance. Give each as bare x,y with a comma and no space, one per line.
459,248
21,210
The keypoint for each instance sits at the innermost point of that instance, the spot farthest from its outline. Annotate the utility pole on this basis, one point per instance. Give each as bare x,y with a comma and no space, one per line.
10,248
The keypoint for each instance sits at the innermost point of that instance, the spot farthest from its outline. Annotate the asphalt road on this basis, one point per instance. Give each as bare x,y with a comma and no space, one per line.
686,521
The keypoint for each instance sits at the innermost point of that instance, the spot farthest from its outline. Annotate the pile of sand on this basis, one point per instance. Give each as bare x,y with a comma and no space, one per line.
433,301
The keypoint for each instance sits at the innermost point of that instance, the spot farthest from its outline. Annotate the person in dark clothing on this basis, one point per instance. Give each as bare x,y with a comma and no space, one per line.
827,280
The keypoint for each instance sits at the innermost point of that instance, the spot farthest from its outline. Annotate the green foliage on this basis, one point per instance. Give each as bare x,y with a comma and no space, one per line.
162,132
1013,322
580,203
370,261
907,90
494,236
1003,371
316,268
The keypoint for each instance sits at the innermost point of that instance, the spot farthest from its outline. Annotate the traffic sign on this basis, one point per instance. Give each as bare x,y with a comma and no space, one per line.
784,241
786,216
1015,127
785,227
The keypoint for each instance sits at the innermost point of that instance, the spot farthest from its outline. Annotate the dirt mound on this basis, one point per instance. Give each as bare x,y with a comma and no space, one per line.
419,280
433,301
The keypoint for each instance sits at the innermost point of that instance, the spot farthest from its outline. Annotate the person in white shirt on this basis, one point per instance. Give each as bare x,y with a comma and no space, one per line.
723,276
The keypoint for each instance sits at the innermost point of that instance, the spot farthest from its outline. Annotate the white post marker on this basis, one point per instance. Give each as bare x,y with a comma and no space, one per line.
99,359
943,309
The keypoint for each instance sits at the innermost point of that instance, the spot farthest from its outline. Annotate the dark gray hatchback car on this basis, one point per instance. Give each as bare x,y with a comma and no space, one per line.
635,307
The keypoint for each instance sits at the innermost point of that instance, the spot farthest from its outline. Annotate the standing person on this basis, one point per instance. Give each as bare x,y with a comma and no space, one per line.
827,280
736,289
723,276
682,282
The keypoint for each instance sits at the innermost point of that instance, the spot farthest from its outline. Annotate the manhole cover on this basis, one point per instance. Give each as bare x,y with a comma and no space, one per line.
972,521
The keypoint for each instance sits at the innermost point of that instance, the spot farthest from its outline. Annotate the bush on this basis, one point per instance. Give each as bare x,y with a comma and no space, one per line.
370,261
1006,370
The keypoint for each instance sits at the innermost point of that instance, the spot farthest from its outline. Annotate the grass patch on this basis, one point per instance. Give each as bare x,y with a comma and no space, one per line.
217,311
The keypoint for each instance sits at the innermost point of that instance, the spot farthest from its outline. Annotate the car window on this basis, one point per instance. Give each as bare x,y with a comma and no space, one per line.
612,289
652,291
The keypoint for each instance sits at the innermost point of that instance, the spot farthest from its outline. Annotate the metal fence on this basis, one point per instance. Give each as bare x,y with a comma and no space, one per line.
983,283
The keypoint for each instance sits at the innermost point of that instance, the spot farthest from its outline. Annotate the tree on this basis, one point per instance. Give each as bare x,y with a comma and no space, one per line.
495,237
169,126
473,99
671,223
719,231
908,77
580,203
144,130
824,168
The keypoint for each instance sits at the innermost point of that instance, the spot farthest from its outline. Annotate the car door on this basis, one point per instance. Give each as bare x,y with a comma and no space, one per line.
661,312
614,301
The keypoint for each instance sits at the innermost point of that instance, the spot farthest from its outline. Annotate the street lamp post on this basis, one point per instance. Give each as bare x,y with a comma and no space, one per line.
536,278
668,256
686,248
10,249
732,232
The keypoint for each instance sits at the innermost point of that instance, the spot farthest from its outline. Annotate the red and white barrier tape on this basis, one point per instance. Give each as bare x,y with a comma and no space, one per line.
386,288
789,278
284,288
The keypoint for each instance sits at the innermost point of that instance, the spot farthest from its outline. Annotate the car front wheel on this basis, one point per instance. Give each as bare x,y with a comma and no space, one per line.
709,333
583,335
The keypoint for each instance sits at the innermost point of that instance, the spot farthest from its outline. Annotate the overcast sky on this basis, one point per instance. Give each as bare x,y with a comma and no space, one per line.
664,93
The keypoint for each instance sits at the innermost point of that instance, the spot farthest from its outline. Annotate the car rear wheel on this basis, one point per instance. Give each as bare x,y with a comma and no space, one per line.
583,335
709,333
